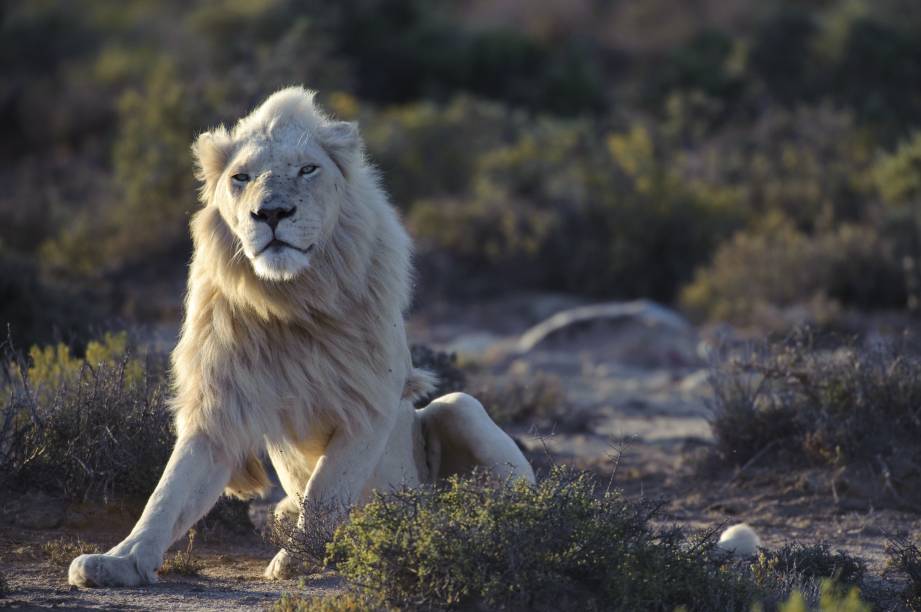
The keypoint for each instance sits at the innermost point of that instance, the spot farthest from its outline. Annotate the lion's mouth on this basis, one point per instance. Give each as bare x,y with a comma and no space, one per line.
276,245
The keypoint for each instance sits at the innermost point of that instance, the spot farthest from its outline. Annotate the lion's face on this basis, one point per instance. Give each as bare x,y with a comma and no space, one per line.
279,180
277,200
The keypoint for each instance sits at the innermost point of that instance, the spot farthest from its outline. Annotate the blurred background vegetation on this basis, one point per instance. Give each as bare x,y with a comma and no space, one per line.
740,159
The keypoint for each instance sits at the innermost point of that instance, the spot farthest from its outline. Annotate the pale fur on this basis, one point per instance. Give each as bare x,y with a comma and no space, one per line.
740,540
343,314
300,354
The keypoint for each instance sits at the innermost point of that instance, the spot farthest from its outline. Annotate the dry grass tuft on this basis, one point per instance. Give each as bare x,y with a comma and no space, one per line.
91,427
183,563
62,551
851,408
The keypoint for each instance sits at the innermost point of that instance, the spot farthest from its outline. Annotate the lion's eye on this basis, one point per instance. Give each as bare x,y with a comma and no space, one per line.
308,169
241,177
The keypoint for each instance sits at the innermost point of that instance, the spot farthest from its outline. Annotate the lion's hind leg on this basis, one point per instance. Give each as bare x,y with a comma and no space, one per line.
461,436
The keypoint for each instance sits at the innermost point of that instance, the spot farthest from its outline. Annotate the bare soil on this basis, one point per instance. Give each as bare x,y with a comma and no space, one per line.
230,579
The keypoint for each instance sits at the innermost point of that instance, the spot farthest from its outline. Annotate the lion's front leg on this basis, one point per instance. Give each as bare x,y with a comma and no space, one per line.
339,479
191,483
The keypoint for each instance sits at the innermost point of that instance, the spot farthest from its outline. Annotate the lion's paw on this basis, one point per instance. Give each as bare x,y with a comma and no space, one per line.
280,567
108,571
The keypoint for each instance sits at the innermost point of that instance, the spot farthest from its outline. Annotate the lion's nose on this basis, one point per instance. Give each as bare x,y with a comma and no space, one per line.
272,215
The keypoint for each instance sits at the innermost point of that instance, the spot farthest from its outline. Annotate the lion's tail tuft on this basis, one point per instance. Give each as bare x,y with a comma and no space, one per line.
419,384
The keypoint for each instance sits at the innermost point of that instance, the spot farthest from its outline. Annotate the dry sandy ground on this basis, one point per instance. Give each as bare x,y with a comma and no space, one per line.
231,578
645,409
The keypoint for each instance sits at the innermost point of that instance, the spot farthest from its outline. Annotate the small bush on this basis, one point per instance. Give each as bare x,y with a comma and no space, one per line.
896,173
183,563
536,399
408,142
855,408
152,162
559,545
905,559
5,588
307,543
805,562
809,279
617,192
63,550
85,427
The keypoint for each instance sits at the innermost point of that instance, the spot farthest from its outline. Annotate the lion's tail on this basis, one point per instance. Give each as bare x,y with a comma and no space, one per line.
419,384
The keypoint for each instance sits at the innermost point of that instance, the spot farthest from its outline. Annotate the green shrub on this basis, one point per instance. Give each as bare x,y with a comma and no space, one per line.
512,546
153,173
831,599
852,407
91,427
898,174
773,274
799,577
641,230
812,165
412,144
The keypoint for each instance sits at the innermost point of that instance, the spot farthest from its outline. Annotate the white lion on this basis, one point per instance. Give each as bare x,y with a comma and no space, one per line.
293,342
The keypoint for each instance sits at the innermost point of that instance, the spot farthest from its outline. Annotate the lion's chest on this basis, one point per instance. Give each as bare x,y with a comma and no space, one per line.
290,378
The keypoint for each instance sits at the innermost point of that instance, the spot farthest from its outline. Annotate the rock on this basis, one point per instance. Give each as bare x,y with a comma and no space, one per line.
640,333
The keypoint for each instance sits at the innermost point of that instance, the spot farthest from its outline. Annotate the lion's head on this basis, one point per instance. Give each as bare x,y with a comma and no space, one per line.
278,179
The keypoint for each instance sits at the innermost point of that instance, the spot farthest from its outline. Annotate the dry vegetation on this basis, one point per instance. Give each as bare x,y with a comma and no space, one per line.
183,563
91,427
844,407
63,550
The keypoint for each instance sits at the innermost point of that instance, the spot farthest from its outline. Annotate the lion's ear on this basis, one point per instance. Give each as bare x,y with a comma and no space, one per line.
343,142
212,152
